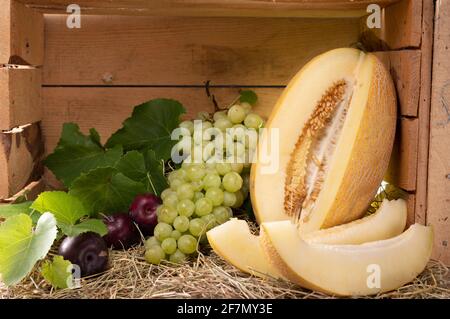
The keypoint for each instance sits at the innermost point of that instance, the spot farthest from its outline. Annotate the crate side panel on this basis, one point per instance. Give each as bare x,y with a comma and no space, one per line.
438,213
117,50
106,108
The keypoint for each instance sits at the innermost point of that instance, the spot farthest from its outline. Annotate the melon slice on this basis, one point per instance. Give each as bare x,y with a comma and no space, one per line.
388,221
234,242
347,270
336,125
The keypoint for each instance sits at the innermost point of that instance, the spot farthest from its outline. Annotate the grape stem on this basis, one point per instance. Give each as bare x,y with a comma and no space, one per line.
151,184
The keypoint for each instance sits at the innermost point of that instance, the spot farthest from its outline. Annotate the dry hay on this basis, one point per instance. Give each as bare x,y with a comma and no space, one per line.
207,277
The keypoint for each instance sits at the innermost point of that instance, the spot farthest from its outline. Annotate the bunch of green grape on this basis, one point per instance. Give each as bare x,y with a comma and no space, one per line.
204,191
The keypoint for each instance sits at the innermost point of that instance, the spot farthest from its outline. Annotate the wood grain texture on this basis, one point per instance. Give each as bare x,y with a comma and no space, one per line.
424,111
20,96
404,66
21,34
106,108
438,213
20,154
253,8
187,51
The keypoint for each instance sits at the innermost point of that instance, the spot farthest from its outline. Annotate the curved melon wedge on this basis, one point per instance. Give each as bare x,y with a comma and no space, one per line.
388,221
233,242
347,269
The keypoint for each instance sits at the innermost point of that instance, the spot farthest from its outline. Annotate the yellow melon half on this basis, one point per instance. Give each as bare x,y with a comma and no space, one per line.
234,242
347,270
336,124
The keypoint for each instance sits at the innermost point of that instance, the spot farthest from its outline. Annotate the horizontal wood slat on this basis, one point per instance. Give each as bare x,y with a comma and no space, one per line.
21,34
106,108
20,153
256,8
187,51
20,96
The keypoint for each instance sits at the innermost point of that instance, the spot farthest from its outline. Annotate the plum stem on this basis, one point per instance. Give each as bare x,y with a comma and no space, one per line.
151,184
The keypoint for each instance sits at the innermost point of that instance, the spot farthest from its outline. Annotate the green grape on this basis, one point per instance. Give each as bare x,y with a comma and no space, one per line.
198,195
232,182
222,214
215,194
239,199
175,234
236,114
253,120
181,223
154,255
210,221
184,145
247,107
197,227
187,244
237,167
171,200
189,125
169,245
196,172
229,199
167,214
238,133
151,241
177,257
203,206
186,207
208,151
185,191
166,192
236,150
197,185
220,115
206,125
223,168
203,239
222,124
174,184
211,180
162,231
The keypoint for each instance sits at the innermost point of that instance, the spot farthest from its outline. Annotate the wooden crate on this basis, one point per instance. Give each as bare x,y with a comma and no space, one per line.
129,51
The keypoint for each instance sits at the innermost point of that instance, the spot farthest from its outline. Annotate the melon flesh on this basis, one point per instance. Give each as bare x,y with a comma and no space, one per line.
336,123
347,270
234,242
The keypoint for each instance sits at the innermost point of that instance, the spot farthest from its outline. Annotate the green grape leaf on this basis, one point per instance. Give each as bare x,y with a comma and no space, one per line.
77,154
150,126
88,225
21,247
8,210
145,169
248,96
66,208
58,272
106,190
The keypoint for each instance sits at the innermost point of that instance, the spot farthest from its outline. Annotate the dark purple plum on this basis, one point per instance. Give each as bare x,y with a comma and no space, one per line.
122,232
143,212
88,250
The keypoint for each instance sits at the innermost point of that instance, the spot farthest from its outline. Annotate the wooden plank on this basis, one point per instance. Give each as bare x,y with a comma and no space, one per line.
424,111
438,213
187,51
410,206
400,29
29,192
402,170
252,8
20,152
108,107
405,69
20,96
21,34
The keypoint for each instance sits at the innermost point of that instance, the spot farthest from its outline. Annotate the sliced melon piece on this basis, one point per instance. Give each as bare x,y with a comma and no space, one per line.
347,269
234,242
336,122
388,221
